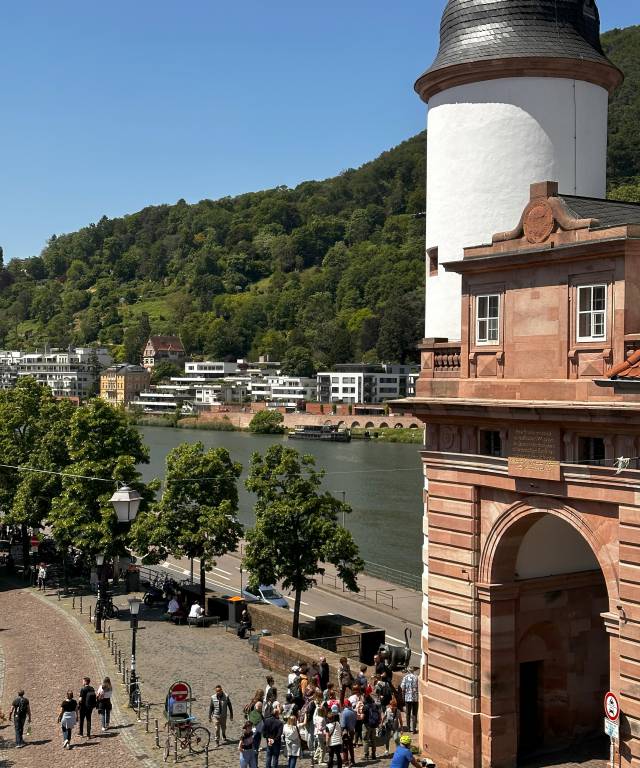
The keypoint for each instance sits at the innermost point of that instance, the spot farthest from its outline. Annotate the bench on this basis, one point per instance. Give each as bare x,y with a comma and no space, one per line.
203,621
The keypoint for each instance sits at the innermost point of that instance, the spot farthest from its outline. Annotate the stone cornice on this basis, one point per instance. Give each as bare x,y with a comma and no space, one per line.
435,81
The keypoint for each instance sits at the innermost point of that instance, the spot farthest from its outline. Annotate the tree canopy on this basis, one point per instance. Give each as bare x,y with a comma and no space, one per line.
197,514
267,423
296,529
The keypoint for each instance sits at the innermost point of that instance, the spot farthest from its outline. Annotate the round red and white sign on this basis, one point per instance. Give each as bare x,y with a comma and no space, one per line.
611,706
179,691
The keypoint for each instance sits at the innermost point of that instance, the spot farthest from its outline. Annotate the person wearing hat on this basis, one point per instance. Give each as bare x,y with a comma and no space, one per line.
403,756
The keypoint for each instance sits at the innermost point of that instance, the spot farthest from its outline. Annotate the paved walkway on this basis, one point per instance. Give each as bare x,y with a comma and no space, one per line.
45,653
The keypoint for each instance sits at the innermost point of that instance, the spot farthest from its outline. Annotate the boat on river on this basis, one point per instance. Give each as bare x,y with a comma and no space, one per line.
329,432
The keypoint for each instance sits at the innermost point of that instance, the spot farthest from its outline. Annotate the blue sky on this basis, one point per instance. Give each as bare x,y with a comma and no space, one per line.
108,107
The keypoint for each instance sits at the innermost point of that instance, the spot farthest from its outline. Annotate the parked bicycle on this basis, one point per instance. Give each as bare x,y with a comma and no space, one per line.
109,610
189,735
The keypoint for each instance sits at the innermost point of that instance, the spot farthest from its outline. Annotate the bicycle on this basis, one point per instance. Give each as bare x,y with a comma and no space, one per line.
109,610
193,737
135,695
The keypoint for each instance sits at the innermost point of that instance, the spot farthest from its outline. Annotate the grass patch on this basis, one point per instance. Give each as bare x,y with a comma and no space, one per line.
390,435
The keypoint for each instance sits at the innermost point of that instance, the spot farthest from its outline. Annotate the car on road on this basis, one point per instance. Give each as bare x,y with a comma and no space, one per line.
264,594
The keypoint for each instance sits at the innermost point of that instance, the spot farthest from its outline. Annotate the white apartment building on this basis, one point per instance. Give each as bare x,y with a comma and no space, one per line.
9,359
290,391
208,369
353,383
234,390
71,373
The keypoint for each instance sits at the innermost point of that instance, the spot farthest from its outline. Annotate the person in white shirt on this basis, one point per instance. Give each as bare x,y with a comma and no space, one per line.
173,606
196,611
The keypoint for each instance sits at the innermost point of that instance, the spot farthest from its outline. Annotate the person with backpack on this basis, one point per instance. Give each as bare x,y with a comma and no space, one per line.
391,726
20,711
333,729
295,689
292,740
345,678
256,718
86,704
372,717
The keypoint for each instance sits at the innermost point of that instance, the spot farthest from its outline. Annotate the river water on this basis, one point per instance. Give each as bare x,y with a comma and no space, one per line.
382,482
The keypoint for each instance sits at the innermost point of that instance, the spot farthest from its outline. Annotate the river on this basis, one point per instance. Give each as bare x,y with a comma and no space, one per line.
382,482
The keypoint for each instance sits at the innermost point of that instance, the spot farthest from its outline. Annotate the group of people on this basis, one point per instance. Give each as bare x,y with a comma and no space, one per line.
71,712
330,720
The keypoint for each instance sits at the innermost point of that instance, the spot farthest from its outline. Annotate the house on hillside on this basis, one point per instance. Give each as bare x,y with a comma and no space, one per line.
121,384
159,349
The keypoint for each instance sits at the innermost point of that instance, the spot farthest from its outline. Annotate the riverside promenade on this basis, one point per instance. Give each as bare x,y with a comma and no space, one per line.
47,646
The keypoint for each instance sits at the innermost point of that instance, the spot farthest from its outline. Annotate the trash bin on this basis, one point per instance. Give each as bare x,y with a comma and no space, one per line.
132,580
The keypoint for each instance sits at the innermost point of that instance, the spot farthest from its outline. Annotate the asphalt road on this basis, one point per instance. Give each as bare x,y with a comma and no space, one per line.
316,602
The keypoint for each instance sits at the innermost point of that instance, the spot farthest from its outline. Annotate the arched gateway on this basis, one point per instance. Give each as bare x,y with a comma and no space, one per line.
546,586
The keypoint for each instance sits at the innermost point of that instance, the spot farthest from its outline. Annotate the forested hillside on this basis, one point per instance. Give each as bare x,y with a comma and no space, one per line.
328,272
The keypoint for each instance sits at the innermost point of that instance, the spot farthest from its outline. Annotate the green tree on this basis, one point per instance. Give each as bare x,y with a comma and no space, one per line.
267,422
33,432
165,370
296,529
197,515
135,338
298,362
102,446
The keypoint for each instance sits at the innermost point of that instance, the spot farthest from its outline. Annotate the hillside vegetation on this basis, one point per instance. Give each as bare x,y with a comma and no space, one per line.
328,272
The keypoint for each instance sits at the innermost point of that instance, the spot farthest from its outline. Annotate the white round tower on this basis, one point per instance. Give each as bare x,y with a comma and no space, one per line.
517,94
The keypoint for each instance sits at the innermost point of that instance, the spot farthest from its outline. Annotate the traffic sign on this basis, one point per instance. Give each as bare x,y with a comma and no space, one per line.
179,691
611,706
611,729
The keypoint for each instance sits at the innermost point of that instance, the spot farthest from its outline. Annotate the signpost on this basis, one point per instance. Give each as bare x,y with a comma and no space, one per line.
612,722
179,698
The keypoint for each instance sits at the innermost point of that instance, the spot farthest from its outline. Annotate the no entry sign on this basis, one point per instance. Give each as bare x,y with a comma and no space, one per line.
611,706
179,691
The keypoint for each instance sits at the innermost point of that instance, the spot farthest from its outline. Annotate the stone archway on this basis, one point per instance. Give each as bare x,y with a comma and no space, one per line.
369,425
546,582
355,425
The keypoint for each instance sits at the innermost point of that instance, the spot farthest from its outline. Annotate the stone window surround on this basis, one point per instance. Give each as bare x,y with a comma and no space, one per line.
485,289
592,278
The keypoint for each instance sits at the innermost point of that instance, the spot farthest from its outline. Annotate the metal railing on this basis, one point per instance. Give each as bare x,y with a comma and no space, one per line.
393,575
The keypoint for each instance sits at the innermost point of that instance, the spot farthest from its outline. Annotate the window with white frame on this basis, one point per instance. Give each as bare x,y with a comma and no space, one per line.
592,308
487,318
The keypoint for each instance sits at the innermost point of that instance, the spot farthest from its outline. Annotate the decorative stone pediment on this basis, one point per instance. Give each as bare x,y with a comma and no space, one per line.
545,214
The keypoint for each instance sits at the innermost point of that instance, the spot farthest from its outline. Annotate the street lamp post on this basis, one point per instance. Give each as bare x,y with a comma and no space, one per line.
102,592
134,691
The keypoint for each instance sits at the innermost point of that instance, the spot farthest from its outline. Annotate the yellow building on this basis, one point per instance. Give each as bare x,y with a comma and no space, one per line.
121,384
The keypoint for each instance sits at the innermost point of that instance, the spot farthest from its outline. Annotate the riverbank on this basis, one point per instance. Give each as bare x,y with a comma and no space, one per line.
224,424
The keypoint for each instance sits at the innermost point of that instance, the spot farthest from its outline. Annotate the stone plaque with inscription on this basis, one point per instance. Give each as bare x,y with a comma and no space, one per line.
535,452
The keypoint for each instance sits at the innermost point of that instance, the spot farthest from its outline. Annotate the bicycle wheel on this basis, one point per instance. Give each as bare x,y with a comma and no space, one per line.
199,739
111,612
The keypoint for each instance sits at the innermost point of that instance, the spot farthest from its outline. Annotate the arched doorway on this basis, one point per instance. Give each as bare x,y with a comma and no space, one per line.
545,661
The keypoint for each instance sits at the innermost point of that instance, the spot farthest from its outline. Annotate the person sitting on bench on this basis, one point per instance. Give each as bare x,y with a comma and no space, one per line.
196,613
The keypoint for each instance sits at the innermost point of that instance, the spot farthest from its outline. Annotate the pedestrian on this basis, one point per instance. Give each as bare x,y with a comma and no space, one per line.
219,707
324,673
345,678
292,741
371,721
334,737
320,736
272,732
256,719
403,757
20,711
409,688
384,690
330,696
103,697
380,663
348,721
196,612
86,704
361,677
270,689
67,718
359,710
391,726
42,576
246,748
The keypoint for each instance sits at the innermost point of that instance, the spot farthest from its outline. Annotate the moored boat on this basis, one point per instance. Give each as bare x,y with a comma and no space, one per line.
330,432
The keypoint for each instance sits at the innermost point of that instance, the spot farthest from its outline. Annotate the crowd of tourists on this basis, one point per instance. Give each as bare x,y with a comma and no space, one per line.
329,719
73,711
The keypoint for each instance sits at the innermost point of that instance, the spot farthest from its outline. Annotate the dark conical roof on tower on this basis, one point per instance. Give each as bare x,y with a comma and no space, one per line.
476,32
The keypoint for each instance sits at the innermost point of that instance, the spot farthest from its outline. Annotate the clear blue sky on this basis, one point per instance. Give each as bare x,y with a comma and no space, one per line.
108,107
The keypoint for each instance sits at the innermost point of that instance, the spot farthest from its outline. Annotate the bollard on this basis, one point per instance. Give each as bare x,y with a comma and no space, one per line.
104,629
124,676
157,732
146,725
73,602
140,707
90,619
175,747
206,756
80,603
58,595
119,660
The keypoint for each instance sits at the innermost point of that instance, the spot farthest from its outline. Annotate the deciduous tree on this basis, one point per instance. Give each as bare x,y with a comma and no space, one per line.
296,529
